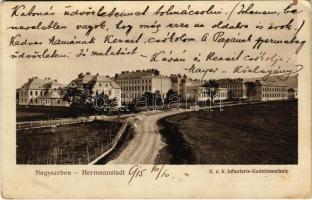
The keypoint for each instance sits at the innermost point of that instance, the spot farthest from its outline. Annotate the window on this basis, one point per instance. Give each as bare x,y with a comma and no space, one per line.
58,101
109,92
30,92
36,93
100,84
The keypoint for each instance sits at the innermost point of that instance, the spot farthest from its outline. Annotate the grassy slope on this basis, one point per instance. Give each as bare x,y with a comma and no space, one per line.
253,134
68,144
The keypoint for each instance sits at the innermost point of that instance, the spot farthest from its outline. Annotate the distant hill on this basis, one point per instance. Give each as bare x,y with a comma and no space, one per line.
291,82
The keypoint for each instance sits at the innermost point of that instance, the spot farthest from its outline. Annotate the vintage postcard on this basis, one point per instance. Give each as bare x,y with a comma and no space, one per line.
156,99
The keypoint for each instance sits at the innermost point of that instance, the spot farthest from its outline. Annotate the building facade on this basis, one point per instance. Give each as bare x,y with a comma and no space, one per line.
184,86
100,85
292,93
236,88
44,92
135,83
265,91
203,95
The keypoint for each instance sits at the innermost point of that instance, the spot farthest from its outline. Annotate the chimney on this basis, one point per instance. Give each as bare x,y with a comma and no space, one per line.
97,73
107,76
55,80
88,73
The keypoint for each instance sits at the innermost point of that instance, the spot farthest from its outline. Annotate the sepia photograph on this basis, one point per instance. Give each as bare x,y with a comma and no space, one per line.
147,117
156,99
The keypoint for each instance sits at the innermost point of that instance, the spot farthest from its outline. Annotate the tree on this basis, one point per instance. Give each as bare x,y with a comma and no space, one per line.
211,89
102,103
157,100
250,89
80,98
171,96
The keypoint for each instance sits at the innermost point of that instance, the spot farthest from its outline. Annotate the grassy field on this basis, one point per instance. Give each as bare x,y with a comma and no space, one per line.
264,133
33,113
68,144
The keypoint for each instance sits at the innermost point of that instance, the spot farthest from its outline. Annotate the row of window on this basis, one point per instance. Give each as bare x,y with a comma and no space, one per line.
275,89
136,88
22,100
103,92
135,81
275,95
217,95
231,85
131,95
106,84
34,92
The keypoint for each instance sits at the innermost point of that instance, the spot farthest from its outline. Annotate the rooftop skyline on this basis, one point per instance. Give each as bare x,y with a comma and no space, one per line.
67,76
291,82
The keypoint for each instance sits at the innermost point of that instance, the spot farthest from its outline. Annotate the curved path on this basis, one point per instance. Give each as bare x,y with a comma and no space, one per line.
144,147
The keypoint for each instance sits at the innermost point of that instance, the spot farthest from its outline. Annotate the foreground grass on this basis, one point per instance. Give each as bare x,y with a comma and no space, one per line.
68,144
264,133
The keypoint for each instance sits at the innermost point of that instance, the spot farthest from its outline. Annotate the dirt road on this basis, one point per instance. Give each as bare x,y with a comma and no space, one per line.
143,148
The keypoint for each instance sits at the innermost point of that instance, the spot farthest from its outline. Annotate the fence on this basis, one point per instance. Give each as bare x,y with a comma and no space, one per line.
50,123
113,143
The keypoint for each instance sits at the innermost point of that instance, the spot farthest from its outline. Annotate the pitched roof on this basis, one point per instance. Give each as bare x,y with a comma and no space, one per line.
91,80
139,74
100,78
37,83
269,83
230,81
